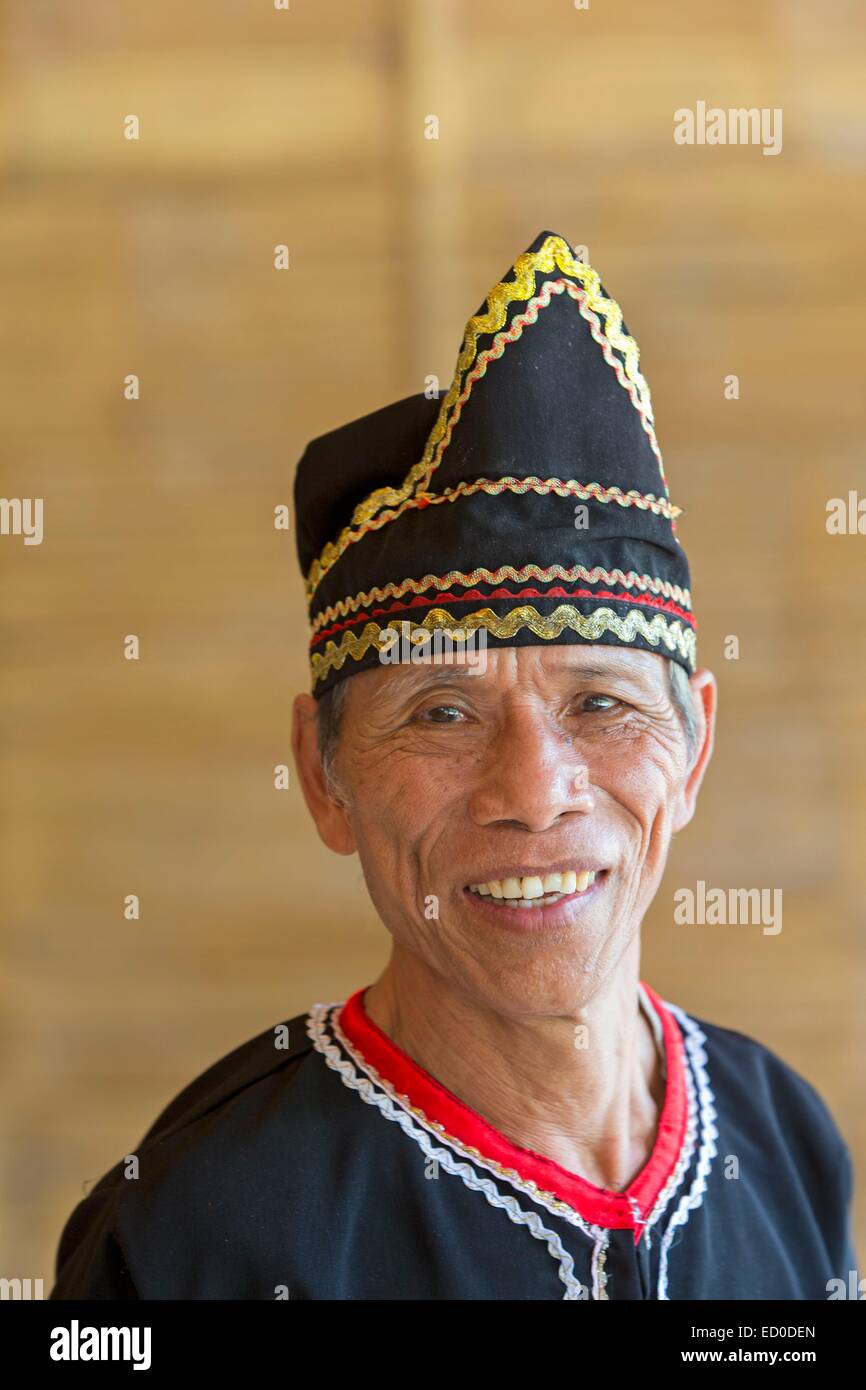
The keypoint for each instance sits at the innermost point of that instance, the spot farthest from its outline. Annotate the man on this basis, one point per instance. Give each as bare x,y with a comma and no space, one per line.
508,1112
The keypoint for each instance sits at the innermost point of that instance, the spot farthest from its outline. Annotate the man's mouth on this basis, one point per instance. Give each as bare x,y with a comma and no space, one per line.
535,890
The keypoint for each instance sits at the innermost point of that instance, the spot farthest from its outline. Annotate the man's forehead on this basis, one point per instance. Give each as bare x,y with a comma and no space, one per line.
516,665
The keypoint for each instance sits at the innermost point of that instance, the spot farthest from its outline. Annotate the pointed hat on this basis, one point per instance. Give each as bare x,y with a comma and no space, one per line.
529,500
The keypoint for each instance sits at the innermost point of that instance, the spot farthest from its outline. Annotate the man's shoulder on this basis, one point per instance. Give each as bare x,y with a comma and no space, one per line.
228,1101
237,1127
278,1049
747,1075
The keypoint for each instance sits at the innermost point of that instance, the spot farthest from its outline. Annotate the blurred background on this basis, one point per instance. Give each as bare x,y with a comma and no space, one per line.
305,126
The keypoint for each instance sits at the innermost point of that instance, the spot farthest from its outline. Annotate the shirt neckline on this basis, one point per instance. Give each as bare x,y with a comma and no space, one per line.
655,1024
600,1206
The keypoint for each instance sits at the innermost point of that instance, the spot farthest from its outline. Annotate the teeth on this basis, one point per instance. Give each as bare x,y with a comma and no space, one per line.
534,890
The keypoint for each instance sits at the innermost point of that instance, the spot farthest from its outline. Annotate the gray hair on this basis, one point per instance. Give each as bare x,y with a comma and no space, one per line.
330,716
681,696
332,705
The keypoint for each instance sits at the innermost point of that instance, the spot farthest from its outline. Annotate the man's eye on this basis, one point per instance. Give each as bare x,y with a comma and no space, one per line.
600,703
440,714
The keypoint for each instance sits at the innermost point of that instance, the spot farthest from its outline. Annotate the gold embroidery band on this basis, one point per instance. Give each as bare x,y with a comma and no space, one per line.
493,487
554,253
590,626
495,351
629,579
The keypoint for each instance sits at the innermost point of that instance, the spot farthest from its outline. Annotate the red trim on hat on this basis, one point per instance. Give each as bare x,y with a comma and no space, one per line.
598,1205
475,596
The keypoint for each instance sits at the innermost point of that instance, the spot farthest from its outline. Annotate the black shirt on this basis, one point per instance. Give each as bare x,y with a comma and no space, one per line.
319,1161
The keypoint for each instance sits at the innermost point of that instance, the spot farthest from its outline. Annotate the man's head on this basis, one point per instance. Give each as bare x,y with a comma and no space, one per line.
552,758
527,506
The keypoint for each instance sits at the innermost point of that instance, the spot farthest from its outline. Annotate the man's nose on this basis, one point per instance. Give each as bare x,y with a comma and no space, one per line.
532,775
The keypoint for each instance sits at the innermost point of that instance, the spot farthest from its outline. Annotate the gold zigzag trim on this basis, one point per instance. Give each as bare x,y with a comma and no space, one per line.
590,626
493,487
629,579
555,252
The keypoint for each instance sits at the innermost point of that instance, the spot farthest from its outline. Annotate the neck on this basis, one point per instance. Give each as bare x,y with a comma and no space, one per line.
593,1109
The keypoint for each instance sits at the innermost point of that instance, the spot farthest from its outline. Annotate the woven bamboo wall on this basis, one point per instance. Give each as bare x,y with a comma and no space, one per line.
155,257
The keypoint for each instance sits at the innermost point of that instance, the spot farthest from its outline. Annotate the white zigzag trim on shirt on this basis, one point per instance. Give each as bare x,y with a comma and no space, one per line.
683,1162
316,1028
525,1186
598,1235
695,1039
686,1152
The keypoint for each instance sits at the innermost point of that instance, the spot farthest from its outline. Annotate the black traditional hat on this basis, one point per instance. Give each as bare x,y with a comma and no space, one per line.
529,501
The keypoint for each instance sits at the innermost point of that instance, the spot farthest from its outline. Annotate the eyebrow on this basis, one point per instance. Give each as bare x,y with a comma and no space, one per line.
640,677
594,672
415,680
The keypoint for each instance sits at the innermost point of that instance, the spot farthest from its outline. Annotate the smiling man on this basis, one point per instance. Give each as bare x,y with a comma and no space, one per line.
509,1111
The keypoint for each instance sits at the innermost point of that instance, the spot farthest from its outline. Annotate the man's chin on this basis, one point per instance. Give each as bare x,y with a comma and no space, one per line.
536,988
552,973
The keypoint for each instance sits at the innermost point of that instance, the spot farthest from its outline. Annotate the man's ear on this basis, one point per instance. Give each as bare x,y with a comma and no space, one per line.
704,696
328,812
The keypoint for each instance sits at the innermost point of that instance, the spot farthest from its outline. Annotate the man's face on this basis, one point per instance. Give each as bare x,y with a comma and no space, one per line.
560,760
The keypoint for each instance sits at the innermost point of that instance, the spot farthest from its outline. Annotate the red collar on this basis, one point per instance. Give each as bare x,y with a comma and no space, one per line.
596,1205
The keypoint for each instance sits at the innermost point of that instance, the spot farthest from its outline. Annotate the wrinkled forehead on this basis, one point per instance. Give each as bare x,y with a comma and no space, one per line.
509,669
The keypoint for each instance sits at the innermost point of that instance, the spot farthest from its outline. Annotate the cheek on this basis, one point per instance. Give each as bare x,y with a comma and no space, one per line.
403,810
643,780
404,800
